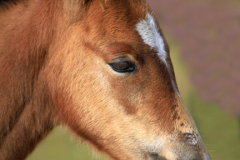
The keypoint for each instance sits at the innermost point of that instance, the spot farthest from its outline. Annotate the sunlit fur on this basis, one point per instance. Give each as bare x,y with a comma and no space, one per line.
54,70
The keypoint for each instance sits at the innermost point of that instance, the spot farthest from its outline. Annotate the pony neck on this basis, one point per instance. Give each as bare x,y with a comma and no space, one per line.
25,103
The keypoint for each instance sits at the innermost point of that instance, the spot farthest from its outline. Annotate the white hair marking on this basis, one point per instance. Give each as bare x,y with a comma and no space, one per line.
148,30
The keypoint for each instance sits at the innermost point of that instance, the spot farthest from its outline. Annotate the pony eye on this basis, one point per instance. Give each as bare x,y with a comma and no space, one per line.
123,66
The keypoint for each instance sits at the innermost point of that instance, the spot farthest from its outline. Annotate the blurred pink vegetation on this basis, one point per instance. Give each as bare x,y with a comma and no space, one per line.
209,33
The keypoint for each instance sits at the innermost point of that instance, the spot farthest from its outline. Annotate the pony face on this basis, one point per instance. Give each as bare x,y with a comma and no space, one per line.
114,84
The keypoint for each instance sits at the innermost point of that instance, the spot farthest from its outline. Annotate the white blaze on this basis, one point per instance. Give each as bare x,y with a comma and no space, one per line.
148,30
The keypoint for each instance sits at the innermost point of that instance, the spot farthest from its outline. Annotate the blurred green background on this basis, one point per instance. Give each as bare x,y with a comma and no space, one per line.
212,27
219,130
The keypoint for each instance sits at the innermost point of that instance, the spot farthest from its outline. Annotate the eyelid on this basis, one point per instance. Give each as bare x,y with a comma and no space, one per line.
117,49
122,58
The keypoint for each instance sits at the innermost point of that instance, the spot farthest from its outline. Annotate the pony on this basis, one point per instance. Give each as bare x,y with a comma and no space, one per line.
99,67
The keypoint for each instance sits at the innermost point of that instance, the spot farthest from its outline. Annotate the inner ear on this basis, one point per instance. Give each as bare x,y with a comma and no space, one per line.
85,2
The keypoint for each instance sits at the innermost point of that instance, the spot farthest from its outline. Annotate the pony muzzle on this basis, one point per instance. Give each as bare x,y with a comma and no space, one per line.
180,151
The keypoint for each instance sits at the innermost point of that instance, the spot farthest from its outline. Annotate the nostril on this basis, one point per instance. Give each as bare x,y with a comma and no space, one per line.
155,156
191,138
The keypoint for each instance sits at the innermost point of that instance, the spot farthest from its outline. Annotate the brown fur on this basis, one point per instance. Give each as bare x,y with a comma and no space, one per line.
53,70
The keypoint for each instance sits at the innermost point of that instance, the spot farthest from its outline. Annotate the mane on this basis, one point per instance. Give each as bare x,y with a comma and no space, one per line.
8,3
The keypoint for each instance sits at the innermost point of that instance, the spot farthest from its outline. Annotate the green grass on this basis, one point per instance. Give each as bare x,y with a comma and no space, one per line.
220,131
61,145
